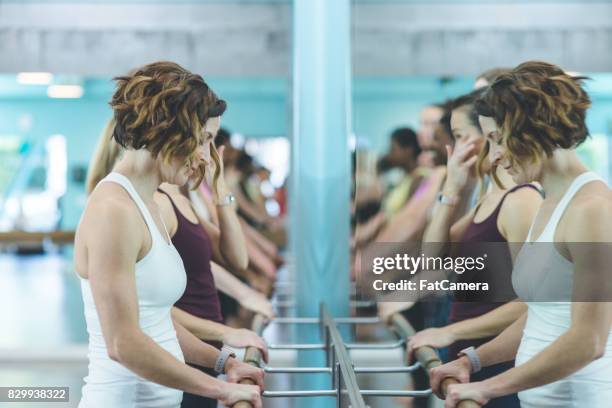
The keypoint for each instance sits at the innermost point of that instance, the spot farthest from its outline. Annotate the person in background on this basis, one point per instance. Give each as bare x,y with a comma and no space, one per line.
367,185
470,195
199,242
407,226
429,119
261,236
251,206
264,256
230,157
403,153
409,222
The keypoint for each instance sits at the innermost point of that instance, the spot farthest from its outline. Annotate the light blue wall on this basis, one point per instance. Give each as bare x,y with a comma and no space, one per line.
381,105
258,107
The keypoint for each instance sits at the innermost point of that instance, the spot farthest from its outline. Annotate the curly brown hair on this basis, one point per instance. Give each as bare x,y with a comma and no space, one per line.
538,108
491,74
162,107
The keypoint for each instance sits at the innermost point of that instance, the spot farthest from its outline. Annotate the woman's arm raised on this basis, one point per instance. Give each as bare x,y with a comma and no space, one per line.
227,237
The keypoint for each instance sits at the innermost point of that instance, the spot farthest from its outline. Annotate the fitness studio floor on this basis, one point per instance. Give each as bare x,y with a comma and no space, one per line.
52,346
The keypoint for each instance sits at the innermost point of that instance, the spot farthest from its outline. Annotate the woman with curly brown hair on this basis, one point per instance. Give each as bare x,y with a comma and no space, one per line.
131,274
534,117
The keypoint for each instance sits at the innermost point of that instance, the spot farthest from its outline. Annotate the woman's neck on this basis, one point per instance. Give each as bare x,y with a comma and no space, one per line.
142,170
171,189
504,178
559,171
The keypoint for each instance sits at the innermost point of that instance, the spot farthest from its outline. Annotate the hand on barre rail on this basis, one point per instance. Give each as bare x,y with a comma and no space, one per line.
252,358
234,395
448,381
386,310
436,337
238,371
458,369
466,395
243,338
251,385
451,383
258,303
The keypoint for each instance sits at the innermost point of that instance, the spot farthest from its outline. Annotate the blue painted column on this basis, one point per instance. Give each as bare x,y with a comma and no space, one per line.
320,171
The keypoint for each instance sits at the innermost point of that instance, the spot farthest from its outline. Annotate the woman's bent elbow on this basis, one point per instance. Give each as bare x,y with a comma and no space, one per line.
599,349
120,348
594,348
113,353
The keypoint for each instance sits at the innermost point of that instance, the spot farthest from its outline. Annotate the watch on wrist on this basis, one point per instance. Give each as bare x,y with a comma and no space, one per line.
224,355
446,200
472,356
226,200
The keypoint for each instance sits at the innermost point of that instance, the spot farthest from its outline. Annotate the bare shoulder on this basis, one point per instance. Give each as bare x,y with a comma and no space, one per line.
594,198
179,198
522,200
594,190
521,205
517,213
589,215
524,197
110,209
162,201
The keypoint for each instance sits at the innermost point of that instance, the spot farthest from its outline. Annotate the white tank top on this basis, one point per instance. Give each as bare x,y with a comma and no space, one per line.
160,282
541,273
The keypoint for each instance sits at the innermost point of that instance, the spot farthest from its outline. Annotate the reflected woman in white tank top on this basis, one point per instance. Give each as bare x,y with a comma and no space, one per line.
131,274
534,117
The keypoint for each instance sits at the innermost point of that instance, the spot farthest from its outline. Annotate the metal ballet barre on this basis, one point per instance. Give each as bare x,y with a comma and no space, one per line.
427,357
339,363
252,356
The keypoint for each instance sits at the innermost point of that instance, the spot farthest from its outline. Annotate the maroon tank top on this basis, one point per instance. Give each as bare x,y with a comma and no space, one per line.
193,245
484,232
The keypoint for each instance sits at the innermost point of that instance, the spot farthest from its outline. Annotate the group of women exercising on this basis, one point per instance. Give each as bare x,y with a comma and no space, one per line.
517,133
161,235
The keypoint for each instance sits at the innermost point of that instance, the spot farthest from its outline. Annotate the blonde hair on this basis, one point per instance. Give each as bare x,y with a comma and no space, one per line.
481,172
106,154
